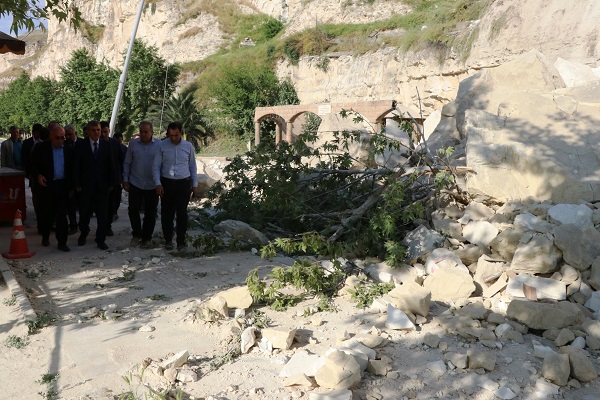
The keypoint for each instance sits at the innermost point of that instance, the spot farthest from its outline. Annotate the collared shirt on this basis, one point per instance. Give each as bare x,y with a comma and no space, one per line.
137,167
175,161
58,155
17,156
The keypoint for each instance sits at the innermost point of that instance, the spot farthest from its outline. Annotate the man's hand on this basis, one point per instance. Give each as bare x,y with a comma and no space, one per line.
125,186
160,191
42,180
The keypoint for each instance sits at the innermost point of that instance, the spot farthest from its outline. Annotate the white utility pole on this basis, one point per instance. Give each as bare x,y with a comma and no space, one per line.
123,78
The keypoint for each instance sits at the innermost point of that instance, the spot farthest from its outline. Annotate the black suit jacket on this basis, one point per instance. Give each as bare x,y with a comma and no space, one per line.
93,173
42,162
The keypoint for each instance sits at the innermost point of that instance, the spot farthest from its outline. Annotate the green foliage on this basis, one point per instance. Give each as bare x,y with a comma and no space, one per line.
86,91
15,342
50,381
93,33
183,108
208,244
150,79
11,301
127,275
308,243
239,90
26,102
28,15
364,294
40,322
328,201
309,277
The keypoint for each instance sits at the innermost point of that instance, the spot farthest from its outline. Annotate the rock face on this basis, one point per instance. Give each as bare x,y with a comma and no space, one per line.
388,73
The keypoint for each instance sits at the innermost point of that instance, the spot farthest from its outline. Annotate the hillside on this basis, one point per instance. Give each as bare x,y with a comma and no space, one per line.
370,65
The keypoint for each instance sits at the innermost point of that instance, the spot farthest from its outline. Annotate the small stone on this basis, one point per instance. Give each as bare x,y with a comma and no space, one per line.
505,393
437,366
176,361
187,375
155,260
247,340
146,328
481,359
565,336
431,340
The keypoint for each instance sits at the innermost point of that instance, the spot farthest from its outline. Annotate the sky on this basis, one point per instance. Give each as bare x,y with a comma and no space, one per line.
5,24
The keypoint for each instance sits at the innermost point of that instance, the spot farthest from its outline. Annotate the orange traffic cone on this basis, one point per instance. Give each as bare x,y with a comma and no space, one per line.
18,243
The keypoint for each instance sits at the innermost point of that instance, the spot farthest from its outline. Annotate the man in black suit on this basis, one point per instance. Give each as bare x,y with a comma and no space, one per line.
94,176
71,139
26,153
118,156
51,165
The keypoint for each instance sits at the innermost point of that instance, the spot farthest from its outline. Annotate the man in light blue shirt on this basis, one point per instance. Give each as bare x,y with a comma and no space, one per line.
175,175
138,182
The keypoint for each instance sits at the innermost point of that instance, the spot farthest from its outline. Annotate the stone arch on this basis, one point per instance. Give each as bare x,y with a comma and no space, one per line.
372,111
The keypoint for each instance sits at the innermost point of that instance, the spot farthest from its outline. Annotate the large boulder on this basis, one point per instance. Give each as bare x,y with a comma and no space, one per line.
580,246
537,256
509,116
544,315
449,284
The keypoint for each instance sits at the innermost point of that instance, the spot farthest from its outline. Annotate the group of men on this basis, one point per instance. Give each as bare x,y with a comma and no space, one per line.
67,173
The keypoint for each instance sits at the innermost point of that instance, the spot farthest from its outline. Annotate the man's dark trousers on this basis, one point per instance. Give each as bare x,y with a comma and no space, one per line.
149,200
174,202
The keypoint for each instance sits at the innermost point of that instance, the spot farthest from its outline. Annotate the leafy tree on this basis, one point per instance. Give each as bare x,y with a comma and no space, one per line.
28,14
240,89
26,102
183,108
86,90
150,79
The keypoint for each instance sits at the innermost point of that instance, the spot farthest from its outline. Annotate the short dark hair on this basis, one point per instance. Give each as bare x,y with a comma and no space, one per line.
93,123
175,126
118,135
104,124
37,127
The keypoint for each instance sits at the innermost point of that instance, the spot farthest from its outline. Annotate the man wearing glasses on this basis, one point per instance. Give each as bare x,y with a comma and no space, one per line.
52,162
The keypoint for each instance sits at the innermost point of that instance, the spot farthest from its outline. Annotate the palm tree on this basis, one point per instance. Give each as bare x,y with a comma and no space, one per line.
184,109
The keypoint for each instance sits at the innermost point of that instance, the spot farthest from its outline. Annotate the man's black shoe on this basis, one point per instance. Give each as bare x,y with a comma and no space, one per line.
45,242
102,246
81,240
63,247
72,230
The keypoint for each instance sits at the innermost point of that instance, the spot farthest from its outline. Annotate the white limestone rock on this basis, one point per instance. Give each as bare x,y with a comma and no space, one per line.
449,284
339,371
537,256
545,288
281,338
480,233
397,319
556,368
237,297
578,214
301,363
410,297
421,241
176,361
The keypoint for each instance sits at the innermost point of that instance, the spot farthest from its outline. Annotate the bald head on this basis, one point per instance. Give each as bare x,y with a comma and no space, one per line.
57,136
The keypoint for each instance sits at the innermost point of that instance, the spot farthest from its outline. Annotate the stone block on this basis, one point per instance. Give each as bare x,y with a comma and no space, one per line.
397,319
582,367
480,233
379,367
481,359
301,363
410,297
545,288
339,371
176,360
580,246
449,284
544,316
459,360
300,380
556,368
578,214
421,241
281,338
237,297
565,336
537,256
